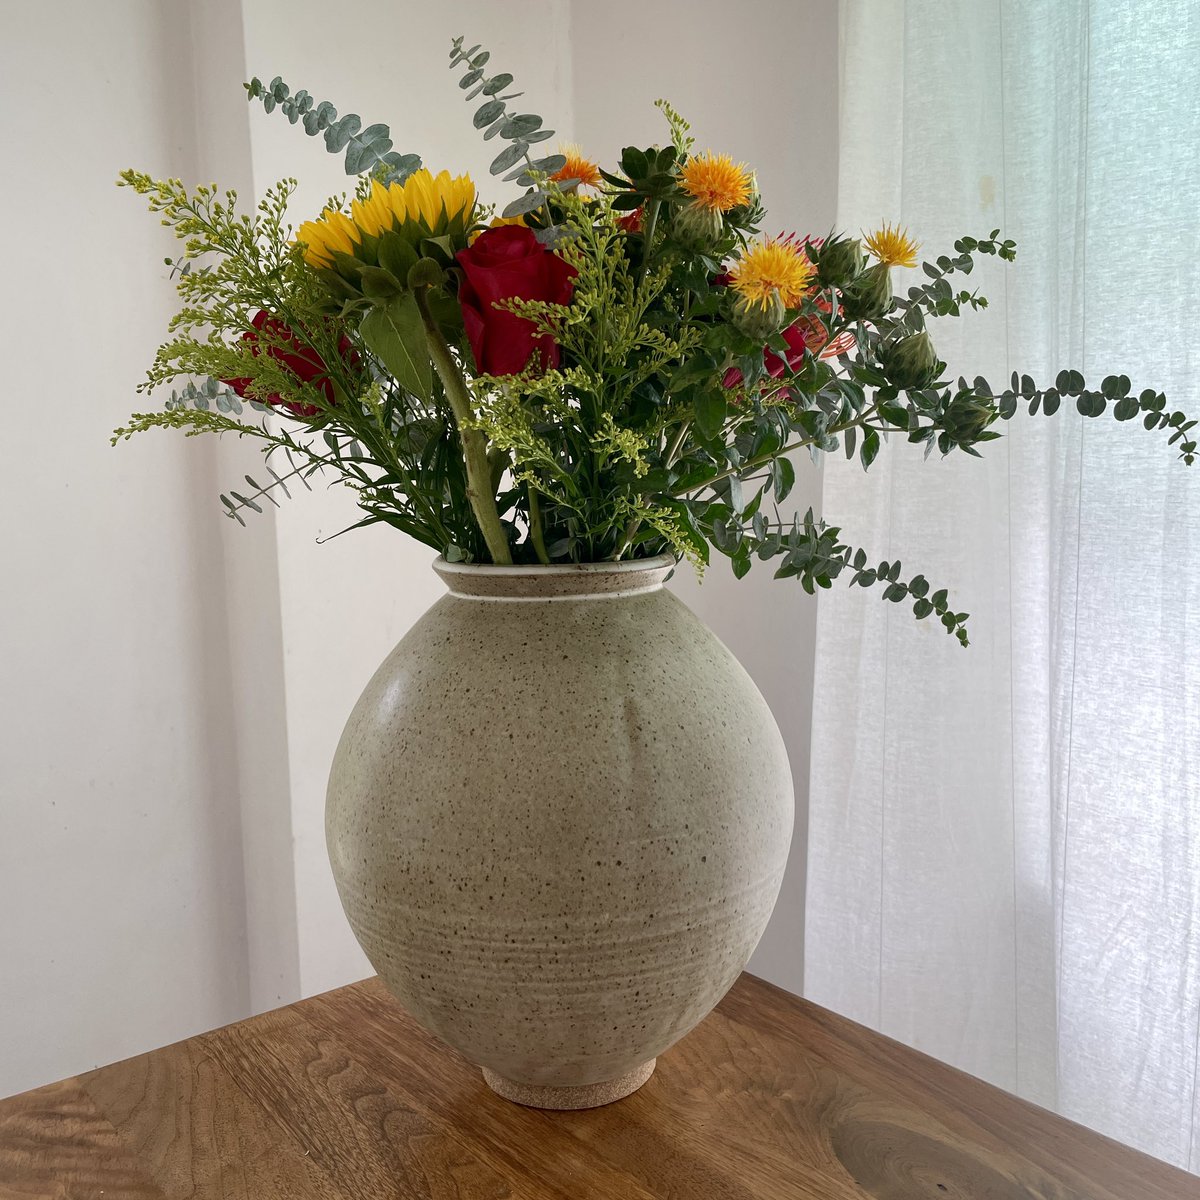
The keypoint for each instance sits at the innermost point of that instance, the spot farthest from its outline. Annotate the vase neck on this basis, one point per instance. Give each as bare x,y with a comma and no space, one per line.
572,581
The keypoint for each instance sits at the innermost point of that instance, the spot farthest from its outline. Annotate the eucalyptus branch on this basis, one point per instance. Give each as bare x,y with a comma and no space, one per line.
769,456
367,149
235,501
520,130
813,552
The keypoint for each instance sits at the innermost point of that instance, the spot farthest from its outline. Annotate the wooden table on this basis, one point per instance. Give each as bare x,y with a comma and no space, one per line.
343,1095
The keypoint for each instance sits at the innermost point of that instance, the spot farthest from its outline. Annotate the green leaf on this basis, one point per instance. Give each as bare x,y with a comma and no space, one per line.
870,448
396,336
508,157
486,113
711,408
524,204
245,500
365,149
378,284
519,126
784,478
396,255
634,163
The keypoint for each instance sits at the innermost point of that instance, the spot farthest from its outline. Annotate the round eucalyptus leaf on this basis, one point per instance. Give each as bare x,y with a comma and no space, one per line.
485,114
524,204
509,157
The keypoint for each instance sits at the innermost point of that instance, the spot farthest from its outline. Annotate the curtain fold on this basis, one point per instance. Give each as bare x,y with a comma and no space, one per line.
1004,868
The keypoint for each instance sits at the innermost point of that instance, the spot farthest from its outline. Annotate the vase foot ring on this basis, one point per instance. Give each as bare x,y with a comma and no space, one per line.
588,1095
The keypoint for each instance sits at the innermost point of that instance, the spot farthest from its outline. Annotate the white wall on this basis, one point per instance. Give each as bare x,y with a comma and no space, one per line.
122,907
173,684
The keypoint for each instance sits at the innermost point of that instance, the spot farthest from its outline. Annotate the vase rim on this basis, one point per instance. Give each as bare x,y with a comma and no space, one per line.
555,581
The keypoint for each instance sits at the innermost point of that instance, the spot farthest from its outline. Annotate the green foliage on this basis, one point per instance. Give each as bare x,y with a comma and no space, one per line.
669,423
520,130
584,436
396,449
681,137
366,150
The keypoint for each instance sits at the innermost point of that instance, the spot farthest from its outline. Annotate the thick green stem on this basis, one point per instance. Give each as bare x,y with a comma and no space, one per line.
649,222
480,493
627,537
535,526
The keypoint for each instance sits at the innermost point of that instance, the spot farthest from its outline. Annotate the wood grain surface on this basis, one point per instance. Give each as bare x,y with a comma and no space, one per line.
343,1095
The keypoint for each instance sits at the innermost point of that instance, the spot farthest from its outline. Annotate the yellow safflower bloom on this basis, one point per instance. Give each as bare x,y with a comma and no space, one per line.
716,182
767,268
577,167
892,246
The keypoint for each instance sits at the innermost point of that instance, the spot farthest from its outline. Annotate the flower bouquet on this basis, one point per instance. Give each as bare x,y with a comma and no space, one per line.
618,366
564,399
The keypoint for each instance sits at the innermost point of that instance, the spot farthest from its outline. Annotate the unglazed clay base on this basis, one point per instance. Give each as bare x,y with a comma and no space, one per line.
589,1095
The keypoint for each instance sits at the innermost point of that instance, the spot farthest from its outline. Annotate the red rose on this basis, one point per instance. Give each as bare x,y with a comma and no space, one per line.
301,360
504,263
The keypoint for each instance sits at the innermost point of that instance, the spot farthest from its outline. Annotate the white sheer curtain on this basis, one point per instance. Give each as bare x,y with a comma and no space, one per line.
1005,841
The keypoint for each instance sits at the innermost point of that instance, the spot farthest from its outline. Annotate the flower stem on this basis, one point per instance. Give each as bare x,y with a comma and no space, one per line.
480,493
627,537
648,224
535,526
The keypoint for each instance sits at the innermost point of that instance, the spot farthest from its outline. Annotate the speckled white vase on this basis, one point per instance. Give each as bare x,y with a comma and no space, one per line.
558,819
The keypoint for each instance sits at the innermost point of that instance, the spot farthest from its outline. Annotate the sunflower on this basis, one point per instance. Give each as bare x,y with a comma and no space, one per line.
716,182
424,205
892,246
576,167
769,268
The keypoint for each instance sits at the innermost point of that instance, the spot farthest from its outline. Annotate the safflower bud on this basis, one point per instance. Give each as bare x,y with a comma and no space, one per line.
758,320
697,226
840,262
967,417
870,295
910,362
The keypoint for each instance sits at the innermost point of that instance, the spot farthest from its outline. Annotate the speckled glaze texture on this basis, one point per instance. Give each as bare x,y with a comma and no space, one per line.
558,819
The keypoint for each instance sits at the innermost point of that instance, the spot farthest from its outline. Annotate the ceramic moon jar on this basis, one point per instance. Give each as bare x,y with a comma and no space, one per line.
558,820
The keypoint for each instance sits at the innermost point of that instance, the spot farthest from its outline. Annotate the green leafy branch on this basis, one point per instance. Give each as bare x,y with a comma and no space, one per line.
812,551
206,394
938,297
520,130
367,149
234,502
1114,390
